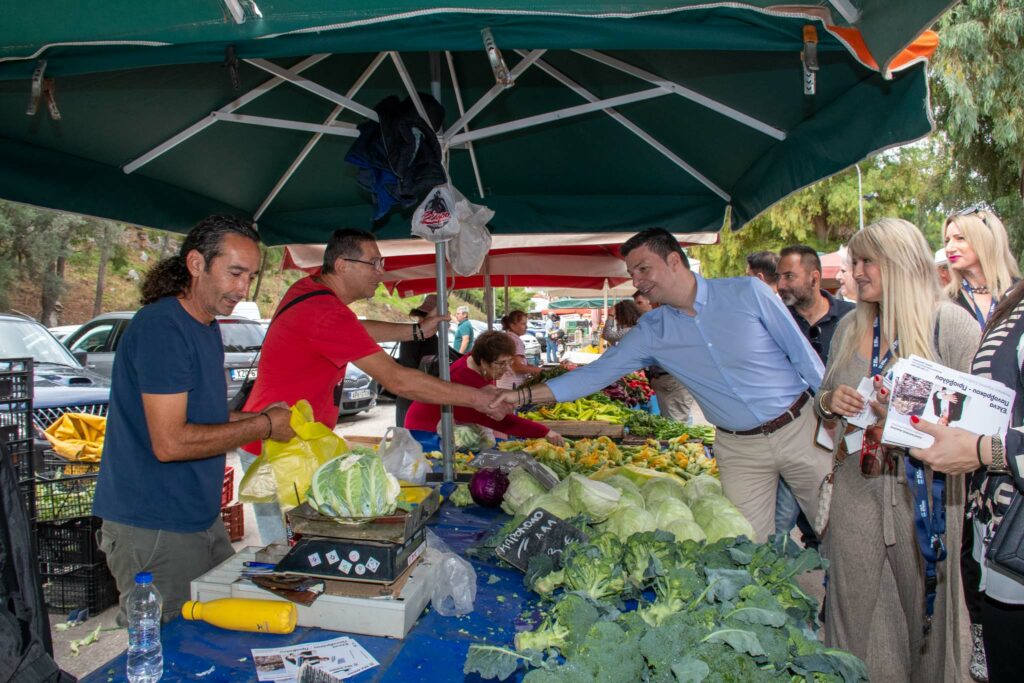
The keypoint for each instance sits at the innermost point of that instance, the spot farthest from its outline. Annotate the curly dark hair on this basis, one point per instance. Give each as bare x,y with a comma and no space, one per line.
627,313
490,346
170,277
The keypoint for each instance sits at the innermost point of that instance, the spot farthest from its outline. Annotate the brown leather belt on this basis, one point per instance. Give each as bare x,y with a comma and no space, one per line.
778,423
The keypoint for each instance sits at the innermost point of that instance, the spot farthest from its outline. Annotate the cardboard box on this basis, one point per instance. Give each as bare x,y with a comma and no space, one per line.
396,528
353,559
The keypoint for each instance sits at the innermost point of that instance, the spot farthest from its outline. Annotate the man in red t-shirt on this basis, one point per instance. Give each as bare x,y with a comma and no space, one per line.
308,347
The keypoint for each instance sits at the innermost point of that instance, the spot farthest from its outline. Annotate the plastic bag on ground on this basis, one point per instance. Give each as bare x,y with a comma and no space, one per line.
403,456
283,471
454,590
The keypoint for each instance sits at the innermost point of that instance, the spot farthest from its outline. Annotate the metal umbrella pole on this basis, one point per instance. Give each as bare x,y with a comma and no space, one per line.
447,421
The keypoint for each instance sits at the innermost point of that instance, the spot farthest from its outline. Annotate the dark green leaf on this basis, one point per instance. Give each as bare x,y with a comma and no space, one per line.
491,661
739,640
690,670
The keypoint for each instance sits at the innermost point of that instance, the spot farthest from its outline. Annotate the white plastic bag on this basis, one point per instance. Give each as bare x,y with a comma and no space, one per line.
434,219
403,456
469,248
454,590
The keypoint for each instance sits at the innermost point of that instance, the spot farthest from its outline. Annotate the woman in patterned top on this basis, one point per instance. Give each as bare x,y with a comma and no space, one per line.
996,479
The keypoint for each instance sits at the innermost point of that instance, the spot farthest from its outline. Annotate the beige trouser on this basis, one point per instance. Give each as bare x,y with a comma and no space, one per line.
674,401
750,466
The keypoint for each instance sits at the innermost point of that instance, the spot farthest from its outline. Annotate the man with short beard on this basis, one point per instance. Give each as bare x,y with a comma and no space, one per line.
816,313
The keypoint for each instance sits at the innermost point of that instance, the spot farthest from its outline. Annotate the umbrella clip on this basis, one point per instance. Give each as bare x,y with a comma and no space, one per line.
42,88
231,64
809,57
501,73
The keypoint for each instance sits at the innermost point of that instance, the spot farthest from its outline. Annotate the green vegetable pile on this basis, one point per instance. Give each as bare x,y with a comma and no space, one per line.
460,496
472,438
64,498
354,485
650,426
716,612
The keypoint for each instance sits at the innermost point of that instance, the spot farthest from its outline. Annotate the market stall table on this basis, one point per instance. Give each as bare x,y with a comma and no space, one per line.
434,650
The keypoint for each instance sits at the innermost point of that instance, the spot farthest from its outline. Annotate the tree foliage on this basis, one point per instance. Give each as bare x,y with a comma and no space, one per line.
977,90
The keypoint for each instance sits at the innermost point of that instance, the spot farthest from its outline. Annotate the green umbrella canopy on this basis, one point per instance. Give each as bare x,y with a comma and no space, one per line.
700,113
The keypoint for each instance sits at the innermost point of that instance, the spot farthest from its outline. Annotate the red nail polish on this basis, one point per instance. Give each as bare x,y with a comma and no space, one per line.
883,392
915,419
877,378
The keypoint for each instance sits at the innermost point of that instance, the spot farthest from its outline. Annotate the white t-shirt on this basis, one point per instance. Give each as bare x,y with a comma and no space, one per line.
511,379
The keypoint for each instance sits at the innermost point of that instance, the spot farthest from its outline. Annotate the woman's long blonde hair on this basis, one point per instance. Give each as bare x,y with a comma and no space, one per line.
910,290
987,236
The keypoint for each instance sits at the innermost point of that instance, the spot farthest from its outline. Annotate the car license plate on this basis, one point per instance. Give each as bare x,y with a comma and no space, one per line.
359,394
240,375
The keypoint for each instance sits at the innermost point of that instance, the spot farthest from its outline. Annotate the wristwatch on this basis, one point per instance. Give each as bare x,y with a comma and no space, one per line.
998,465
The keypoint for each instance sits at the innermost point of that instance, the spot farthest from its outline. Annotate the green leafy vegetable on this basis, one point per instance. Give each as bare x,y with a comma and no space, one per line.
354,486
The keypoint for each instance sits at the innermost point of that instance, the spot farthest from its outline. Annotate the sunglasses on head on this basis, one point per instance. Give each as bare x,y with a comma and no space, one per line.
979,209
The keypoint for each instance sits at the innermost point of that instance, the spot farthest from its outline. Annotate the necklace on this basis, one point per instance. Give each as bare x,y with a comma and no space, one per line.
977,289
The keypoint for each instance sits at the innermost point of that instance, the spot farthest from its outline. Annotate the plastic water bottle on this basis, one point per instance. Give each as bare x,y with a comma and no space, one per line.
145,653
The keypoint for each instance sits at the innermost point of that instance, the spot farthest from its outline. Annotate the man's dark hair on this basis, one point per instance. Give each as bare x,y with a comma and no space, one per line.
766,263
627,313
490,346
658,240
808,256
170,277
344,243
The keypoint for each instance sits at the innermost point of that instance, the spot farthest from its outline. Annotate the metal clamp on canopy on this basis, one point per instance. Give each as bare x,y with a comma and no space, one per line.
501,73
42,87
809,57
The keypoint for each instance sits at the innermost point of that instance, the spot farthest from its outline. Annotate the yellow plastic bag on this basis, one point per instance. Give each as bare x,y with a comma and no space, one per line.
77,436
284,471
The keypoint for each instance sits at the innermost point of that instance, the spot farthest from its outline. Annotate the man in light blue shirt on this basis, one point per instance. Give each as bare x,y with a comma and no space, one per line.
734,345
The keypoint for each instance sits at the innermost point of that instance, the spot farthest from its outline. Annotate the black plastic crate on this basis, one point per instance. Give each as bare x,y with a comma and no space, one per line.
55,465
71,541
15,379
63,497
21,455
74,586
16,421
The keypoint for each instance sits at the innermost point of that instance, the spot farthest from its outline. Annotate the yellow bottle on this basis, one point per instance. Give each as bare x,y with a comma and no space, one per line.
244,614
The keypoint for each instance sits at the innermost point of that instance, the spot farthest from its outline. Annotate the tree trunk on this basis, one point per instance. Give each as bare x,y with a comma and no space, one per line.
101,274
50,295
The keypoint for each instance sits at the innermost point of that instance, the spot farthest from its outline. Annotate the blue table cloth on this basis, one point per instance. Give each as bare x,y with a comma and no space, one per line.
434,650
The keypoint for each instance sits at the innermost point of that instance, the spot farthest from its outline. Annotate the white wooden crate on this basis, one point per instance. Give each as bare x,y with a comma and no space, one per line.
387,617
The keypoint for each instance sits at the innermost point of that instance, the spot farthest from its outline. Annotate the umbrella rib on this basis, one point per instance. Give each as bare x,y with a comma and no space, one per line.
558,114
294,166
410,87
846,8
462,112
685,92
209,119
489,96
314,88
635,129
342,129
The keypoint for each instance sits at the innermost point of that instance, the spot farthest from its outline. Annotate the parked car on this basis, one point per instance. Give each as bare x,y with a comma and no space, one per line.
61,332
61,385
536,328
95,345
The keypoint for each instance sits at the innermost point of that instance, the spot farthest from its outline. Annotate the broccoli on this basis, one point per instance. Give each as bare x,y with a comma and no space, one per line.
610,545
562,628
546,585
610,654
587,571
648,554
673,591
460,496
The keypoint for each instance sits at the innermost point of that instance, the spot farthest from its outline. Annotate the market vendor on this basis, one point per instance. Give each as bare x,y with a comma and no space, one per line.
490,358
162,470
737,349
314,335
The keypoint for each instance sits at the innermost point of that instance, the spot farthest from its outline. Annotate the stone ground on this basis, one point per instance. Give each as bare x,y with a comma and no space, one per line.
114,641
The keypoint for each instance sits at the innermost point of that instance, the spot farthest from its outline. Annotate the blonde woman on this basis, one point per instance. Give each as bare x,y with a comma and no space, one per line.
980,263
876,605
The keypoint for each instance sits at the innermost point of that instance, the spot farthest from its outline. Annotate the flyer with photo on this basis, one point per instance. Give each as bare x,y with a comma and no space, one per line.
941,395
341,657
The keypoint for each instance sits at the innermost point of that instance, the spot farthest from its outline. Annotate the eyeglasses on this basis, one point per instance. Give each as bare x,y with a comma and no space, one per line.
502,363
377,263
979,209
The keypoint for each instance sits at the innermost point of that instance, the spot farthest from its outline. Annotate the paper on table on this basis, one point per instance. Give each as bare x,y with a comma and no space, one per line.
341,657
937,394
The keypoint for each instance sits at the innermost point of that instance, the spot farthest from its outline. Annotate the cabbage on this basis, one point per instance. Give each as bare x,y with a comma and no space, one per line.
685,530
670,510
628,520
561,490
657,490
354,486
720,519
636,474
521,488
700,486
593,498
630,494
553,504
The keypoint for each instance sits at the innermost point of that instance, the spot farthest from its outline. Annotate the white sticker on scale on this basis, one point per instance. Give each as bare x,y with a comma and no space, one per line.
372,564
345,566
314,559
332,557
353,556
360,569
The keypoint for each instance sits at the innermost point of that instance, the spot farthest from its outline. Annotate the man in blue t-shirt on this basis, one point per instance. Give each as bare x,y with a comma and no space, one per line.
160,479
463,342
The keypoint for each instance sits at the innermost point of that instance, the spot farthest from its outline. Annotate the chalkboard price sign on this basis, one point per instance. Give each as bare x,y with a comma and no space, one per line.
541,533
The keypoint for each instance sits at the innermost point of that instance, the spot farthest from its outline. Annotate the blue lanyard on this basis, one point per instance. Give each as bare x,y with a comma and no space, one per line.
975,308
929,525
878,364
